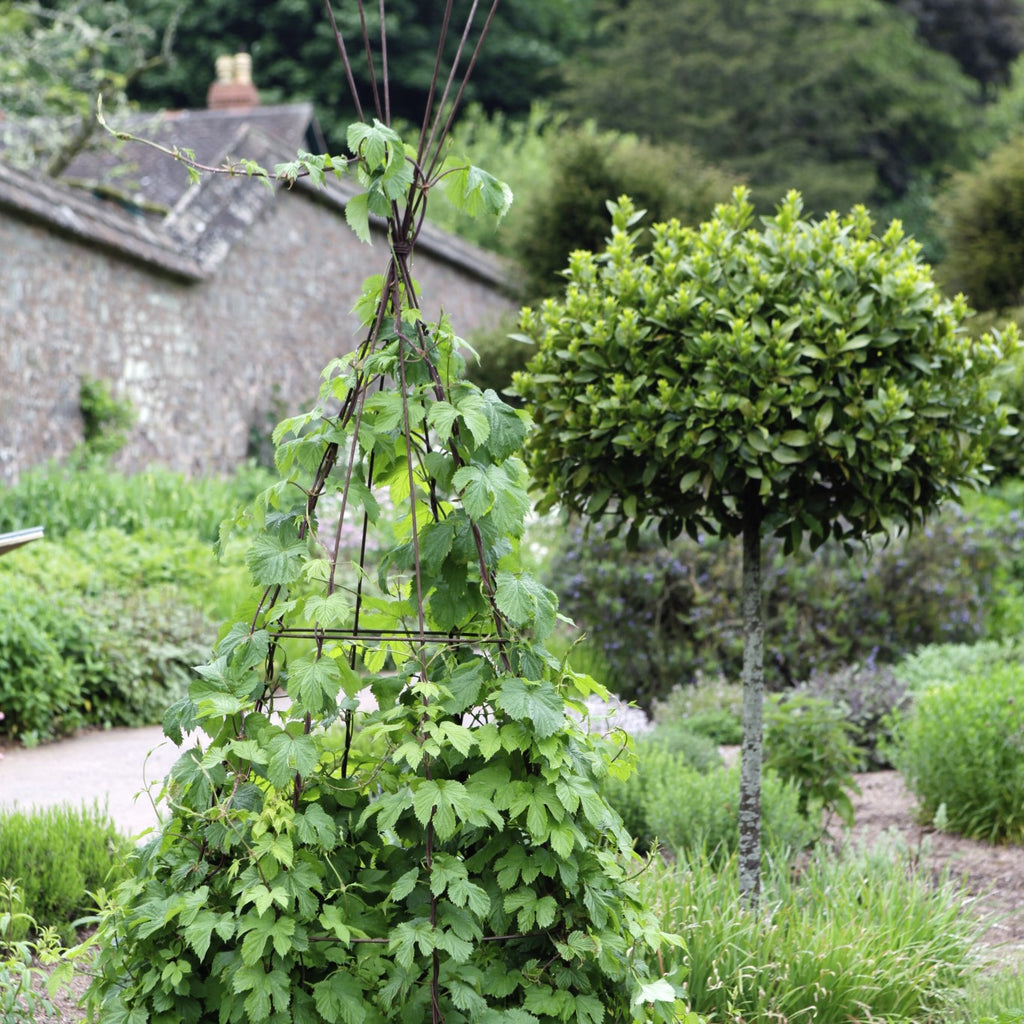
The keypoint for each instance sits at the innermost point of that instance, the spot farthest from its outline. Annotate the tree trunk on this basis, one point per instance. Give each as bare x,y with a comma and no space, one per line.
753,700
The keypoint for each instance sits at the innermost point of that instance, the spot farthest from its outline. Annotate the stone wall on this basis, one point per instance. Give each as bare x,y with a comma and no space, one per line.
201,362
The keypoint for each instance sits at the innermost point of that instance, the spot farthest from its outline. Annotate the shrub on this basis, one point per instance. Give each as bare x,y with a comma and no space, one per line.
92,632
589,170
698,751
91,495
941,664
961,750
983,212
866,937
661,615
83,853
690,812
711,706
39,693
867,696
809,742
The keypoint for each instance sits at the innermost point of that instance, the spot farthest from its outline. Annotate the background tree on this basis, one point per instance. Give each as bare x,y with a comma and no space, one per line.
835,97
295,57
804,379
982,219
54,62
984,37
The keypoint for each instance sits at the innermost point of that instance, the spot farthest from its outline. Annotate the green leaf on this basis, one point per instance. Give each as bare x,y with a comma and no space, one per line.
357,213
538,703
658,991
290,755
440,802
339,999
314,684
277,558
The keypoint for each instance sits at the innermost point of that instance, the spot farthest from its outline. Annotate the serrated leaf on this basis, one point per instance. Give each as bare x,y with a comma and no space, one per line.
357,214
276,558
290,755
538,703
314,684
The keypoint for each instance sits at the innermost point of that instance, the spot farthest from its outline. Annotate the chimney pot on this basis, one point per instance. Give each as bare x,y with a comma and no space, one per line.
233,88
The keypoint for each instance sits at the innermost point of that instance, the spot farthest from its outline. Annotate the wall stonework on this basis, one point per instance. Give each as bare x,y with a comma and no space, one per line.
201,361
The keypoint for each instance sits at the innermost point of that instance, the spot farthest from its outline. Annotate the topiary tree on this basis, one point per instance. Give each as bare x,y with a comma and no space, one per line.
446,856
799,378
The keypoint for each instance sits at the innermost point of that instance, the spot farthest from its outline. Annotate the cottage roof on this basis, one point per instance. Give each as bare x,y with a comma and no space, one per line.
136,201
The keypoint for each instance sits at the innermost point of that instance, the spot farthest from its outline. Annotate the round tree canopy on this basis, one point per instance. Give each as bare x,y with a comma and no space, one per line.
809,373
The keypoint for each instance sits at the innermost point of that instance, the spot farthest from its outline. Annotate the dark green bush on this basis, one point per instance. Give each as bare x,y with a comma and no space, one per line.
591,169
961,750
39,693
662,614
983,213
58,856
670,801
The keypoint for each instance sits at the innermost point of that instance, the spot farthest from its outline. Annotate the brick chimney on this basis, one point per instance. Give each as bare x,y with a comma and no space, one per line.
233,87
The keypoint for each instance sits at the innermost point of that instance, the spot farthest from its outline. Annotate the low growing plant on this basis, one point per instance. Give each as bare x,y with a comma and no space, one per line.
863,937
961,751
22,982
810,742
83,853
867,695
689,812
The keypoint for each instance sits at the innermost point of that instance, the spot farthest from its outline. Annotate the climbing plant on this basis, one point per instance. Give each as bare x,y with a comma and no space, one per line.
447,855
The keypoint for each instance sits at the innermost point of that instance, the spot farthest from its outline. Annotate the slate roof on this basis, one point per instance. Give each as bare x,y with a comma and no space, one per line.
157,218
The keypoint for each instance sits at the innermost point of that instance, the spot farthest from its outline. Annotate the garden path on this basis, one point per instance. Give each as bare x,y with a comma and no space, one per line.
118,768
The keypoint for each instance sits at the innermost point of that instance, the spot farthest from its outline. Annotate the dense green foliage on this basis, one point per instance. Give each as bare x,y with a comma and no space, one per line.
295,55
103,627
809,743
586,170
808,373
834,97
694,813
89,495
961,751
983,36
106,419
58,856
983,216
869,936
457,862
661,617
